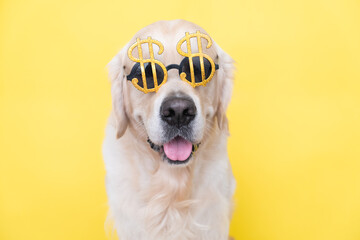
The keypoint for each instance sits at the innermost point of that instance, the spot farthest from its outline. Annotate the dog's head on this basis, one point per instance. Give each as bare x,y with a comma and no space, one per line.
177,115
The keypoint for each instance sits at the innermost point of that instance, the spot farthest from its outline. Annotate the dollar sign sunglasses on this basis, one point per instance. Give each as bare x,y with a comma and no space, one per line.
148,75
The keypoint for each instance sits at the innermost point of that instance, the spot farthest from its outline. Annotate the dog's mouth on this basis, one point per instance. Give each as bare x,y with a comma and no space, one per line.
176,151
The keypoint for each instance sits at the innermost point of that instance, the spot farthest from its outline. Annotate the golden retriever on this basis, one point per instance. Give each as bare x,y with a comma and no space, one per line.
168,176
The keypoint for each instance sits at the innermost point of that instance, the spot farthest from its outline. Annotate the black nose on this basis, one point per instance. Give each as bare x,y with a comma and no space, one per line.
178,111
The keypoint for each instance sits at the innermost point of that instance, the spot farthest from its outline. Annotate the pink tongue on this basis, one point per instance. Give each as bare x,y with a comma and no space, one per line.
178,149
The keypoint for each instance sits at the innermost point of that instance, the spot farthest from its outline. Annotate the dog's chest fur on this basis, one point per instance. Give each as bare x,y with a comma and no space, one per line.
149,199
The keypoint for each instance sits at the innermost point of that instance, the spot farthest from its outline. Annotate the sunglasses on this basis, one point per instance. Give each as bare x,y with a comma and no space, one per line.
148,75
184,67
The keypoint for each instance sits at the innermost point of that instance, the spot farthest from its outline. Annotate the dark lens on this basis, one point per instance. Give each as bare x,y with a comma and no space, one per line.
150,76
185,67
136,73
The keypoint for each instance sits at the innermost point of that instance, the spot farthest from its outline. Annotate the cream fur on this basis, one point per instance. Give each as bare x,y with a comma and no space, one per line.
150,199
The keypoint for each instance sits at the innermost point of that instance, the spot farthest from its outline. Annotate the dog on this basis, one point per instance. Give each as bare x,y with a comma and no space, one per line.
168,176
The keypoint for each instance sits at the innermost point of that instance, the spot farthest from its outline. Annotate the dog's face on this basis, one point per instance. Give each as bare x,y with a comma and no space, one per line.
178,117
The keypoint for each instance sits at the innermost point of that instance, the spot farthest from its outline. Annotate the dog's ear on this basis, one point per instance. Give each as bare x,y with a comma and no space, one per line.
117,77
225,75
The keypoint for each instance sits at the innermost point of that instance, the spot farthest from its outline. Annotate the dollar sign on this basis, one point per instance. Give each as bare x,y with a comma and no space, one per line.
151,60
200,54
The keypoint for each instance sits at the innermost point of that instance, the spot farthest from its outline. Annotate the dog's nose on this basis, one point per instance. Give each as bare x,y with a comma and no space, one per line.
178,111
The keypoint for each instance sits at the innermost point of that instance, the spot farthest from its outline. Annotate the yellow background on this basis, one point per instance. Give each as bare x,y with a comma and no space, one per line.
294,116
